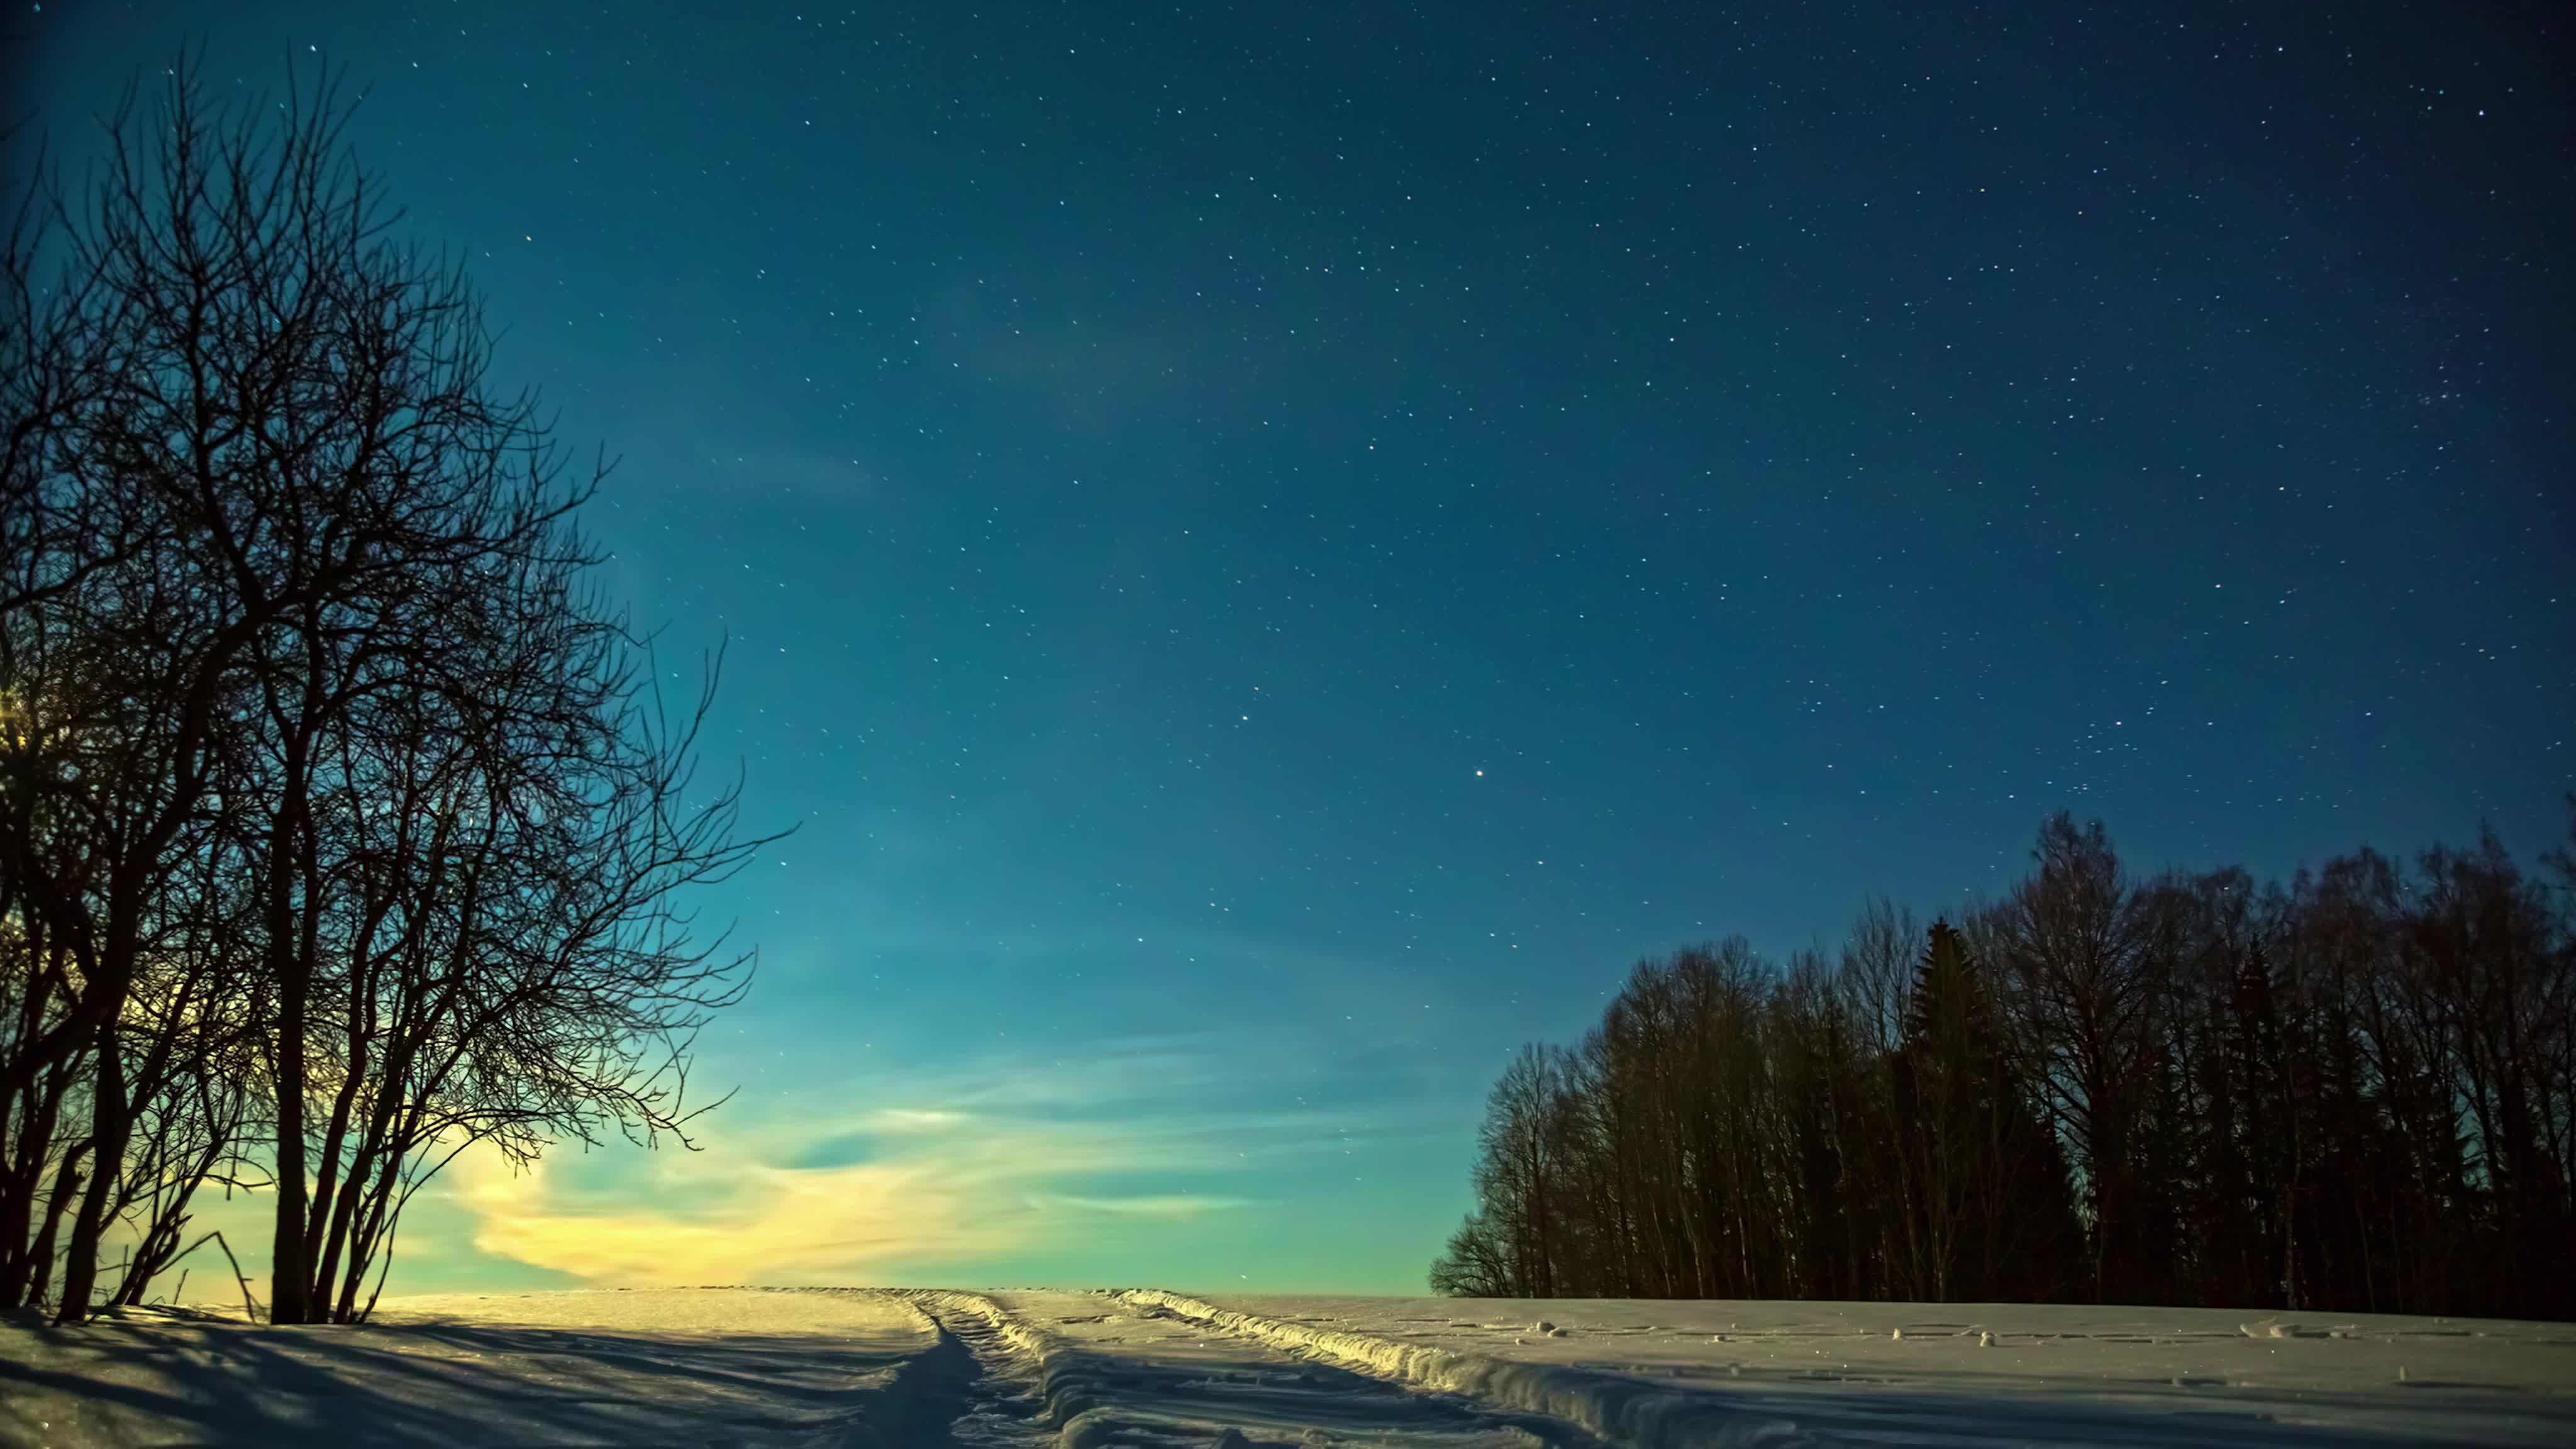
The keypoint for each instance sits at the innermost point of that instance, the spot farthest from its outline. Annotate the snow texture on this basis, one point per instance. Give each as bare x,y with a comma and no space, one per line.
1153,1369
647,1367
1116,1374
1626,1411
1662,1372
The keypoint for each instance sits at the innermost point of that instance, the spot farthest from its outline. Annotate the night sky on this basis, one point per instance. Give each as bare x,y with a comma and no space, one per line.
1273,551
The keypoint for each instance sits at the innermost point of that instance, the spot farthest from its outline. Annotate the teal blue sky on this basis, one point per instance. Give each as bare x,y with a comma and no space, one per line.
1270,553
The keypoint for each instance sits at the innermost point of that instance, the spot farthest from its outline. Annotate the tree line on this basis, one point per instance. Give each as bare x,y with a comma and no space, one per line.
342,820
2352,1092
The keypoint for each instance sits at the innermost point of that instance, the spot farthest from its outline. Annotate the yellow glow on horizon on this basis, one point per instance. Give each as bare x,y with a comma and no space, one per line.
938,1185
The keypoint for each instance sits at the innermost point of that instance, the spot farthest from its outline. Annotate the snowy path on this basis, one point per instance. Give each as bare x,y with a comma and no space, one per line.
1003,1405
1124,1374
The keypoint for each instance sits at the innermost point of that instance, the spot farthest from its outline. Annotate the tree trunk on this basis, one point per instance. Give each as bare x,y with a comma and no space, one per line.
111,1123
289,1273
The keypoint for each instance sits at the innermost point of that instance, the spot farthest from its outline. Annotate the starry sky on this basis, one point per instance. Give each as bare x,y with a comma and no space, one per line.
1272,551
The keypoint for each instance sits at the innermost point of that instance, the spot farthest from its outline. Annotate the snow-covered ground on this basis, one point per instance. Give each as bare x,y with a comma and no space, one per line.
858,1369
1111,1372
1657,1372
647,1367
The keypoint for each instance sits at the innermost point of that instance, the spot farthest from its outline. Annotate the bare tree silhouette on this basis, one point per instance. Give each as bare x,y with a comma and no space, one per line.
337,809
2357,1091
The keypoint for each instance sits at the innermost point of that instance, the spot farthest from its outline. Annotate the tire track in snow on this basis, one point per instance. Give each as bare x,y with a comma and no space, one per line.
1117,1374
1622,1410
984,1392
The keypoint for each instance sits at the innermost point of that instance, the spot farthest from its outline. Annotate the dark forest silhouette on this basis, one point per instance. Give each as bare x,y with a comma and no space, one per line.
340,819
2356,1092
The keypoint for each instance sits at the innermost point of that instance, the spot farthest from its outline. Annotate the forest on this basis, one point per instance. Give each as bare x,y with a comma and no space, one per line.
2355,1092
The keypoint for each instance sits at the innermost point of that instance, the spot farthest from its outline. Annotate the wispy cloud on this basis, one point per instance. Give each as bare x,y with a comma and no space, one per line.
861,1179
1169,1205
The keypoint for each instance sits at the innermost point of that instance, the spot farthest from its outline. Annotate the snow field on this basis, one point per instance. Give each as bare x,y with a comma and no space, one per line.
738,1366
1156,1369
1623,1410
1952,1374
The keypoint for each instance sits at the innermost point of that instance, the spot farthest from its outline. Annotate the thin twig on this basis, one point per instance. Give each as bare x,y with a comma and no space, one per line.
250,1306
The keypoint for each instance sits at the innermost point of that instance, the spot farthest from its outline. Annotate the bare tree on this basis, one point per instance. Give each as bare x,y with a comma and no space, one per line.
333,801
2072,941
2353,1092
